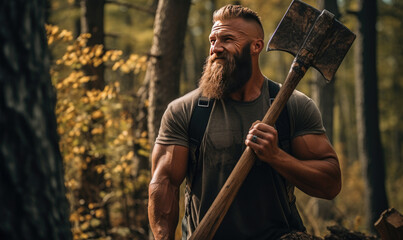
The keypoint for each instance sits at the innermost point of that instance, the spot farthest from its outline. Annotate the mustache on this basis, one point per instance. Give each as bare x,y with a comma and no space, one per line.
215,56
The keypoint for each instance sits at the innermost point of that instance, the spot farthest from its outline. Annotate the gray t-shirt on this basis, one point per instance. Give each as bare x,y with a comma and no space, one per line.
259,210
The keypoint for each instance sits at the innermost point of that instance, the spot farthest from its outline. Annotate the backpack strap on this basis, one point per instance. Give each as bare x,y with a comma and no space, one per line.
199,121
284,141
283,121
197,127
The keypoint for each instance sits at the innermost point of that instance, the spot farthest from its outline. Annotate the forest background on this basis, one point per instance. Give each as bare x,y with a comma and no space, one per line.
111,88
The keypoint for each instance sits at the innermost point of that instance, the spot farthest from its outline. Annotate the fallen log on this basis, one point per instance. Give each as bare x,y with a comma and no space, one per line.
390,225
336,233
340,233
299,236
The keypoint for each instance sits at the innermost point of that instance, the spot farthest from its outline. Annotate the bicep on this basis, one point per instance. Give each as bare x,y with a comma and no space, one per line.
319,172
169,162
313,147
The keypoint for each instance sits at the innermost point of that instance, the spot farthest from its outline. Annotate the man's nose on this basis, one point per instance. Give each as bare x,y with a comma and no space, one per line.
217,48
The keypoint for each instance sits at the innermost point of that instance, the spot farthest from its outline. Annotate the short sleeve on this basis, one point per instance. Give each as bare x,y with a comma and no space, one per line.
174,126
175,121
305,116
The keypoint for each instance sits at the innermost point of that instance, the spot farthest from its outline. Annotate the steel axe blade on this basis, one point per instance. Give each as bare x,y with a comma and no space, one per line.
297,25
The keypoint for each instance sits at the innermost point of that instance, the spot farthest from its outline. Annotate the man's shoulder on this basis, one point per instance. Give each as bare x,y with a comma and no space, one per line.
186,101
299,98
304,115
299,103
295,96
175,121
188,97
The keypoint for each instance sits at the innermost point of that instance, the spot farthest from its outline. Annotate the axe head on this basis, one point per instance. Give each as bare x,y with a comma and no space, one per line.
295,27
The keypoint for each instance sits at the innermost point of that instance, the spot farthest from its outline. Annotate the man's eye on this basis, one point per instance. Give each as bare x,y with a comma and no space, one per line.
212,41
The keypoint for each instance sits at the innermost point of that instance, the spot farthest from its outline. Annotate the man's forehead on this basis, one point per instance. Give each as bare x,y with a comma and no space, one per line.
234,26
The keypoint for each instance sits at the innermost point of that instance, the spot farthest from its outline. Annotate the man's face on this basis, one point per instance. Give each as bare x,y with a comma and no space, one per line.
226,73
229,65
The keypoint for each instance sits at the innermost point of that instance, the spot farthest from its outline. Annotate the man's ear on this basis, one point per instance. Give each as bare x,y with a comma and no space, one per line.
256,46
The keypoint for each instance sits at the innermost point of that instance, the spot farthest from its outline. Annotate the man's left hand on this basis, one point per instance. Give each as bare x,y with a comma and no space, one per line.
262,139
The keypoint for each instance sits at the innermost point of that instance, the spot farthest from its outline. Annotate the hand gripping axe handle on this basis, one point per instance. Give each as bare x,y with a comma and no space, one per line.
316,39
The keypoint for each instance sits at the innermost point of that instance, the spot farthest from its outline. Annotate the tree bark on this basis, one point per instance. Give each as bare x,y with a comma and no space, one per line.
92,21
163,71
33,203
93,181
369,140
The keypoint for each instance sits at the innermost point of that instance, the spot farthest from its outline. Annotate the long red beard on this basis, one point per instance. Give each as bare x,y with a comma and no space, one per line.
215,75
225,73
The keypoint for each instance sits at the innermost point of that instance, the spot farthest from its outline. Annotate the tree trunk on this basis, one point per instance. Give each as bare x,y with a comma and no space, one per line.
93,181
92,21
32,203
140,127
163,71
369,139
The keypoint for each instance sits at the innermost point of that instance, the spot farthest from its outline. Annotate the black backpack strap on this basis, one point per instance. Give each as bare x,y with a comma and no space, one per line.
197,127
284,140
198,122
283,121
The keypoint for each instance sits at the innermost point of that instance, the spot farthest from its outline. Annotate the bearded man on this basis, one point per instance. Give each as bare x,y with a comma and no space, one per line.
264,207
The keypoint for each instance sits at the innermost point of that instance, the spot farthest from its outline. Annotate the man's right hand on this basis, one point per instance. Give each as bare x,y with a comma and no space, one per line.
169,164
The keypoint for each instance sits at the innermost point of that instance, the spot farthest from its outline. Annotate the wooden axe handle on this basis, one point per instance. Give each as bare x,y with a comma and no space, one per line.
214,216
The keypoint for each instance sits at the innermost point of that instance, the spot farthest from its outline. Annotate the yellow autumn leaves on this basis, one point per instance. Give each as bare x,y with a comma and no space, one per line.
78,54
94,122
54,33
134,64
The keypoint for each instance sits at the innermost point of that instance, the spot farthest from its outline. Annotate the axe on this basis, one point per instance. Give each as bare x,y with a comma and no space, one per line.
316,39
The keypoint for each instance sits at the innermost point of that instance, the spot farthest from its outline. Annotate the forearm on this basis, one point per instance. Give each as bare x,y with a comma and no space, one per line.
163,209
316,177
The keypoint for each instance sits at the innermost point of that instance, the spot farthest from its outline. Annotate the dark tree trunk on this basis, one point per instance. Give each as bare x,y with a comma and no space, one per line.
92,180
140,127
163,71
92,21
32,203
369,139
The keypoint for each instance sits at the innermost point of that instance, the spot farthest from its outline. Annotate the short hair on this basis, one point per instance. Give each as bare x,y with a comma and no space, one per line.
236,11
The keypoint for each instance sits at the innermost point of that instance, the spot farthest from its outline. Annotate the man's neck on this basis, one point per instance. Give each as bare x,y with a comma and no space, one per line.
251,90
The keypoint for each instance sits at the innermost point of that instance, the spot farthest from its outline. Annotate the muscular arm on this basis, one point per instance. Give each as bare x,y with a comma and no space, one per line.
169,163
313,168
318,160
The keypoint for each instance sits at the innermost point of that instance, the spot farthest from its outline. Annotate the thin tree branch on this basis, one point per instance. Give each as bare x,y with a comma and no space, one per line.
112,35
132,6
351,12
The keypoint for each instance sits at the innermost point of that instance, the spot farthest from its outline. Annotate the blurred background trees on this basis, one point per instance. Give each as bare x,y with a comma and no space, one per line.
33,202
370,152
107,69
